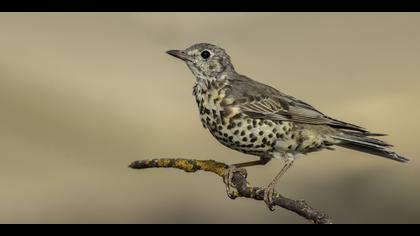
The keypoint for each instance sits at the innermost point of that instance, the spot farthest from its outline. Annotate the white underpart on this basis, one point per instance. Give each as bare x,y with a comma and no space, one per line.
286,156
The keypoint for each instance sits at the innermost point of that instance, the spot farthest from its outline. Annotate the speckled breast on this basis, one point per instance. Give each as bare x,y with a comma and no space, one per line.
236,130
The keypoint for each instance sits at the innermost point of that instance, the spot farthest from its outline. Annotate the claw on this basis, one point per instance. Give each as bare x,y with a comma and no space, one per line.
228,180
269,190
269,197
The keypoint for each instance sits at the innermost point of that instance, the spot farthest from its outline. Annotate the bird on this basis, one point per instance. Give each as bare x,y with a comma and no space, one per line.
254,118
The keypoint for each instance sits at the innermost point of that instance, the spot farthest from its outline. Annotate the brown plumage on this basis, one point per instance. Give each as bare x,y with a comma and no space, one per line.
257,119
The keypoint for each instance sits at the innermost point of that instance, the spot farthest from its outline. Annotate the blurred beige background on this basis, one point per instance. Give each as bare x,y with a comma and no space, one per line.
82,95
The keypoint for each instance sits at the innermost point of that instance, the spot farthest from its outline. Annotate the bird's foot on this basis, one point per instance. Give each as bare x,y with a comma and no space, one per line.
269,195
228,180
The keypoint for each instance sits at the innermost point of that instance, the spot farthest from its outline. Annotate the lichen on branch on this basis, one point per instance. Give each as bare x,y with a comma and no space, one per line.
244,189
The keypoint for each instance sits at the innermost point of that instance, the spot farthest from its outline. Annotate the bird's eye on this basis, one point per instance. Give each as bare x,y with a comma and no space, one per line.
205,54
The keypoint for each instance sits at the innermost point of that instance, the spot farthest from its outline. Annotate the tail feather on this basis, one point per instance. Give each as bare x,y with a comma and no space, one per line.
365,134
363,140
362,143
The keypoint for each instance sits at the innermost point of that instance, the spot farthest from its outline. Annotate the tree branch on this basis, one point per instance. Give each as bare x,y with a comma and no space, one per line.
243,188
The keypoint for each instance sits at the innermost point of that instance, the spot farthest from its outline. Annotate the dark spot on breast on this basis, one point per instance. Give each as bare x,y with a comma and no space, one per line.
237,116
248,121
253,140
239,124
251,135
249,145
236,132
284,128
290,147
245,139
274,130
261,133
237,142
270,135
293,136
230,138
278,135
225,134
254,123
264,140
206,111
242,132
260,123
220,127
249,127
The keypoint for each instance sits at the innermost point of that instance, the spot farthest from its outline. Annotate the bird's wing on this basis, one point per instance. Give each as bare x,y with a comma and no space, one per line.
261,101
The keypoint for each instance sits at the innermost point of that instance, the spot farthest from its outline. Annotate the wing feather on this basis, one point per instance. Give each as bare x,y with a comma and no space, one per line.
261,101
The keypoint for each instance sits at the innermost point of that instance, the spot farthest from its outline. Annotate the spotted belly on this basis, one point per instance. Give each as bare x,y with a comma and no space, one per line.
260,137
238,131
251,136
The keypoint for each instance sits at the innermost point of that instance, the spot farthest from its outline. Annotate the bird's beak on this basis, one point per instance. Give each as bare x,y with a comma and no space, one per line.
180,54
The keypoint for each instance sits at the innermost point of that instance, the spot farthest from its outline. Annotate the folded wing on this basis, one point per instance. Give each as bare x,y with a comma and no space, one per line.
261,101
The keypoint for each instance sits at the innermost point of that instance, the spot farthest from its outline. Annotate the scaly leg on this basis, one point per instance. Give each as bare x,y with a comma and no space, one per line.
232,169
269,190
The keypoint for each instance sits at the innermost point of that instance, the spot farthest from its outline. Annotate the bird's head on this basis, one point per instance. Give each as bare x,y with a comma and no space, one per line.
206,61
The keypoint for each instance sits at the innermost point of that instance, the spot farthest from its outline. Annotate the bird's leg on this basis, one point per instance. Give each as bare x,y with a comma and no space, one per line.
269,190
232,169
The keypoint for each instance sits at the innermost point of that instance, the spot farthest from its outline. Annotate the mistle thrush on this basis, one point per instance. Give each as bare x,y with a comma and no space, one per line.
254,118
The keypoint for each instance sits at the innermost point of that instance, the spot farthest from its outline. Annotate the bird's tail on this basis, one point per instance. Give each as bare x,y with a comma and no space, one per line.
363,143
